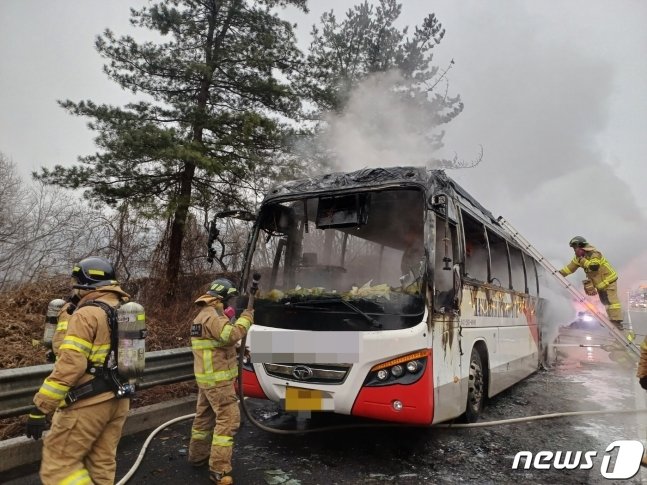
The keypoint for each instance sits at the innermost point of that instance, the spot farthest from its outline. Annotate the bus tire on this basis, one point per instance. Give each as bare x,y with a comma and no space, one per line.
475,387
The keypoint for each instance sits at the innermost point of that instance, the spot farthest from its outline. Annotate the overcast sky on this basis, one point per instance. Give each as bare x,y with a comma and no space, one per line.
555,92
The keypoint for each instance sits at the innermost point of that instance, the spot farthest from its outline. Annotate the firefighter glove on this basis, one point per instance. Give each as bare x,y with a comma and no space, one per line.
643,382
50,356
35,425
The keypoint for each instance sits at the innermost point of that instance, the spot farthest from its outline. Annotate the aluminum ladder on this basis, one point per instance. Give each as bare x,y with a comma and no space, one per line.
548,266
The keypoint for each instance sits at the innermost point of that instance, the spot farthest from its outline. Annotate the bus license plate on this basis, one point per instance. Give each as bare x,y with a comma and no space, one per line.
299,399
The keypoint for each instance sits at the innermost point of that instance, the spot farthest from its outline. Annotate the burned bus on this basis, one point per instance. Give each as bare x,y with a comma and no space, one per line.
387,293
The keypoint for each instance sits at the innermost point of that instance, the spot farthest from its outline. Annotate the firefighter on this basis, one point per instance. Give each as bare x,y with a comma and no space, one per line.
600,277
217,417
81,445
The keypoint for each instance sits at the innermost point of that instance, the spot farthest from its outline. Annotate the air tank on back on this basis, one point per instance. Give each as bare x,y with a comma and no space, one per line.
51,321
131,334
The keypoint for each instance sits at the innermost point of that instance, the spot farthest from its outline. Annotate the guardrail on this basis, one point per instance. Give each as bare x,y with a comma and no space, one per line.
18,386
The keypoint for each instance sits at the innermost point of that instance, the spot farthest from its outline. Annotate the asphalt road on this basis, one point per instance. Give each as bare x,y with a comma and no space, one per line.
411,456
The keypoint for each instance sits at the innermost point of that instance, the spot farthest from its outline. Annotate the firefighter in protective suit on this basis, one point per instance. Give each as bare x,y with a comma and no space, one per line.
603,278
217,417
81,445
642,376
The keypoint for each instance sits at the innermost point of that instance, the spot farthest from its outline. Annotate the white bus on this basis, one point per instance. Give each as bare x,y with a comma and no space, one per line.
387,293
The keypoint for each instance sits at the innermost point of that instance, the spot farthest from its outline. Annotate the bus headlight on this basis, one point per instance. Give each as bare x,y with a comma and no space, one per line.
413,366
401,370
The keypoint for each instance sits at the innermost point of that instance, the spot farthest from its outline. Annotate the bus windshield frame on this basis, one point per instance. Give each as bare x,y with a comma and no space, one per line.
354,261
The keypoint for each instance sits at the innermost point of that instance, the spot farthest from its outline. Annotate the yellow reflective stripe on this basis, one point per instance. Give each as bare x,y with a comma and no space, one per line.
220,440
205,344
244,322
226,332
643,346
53,389
97,272
37,416
198,434
597,261
207,361
62,326
99,353
77,344
217,376
613,276
566,270
613,306
79,477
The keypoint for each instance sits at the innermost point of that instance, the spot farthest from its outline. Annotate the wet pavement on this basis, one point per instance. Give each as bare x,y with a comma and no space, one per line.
409,456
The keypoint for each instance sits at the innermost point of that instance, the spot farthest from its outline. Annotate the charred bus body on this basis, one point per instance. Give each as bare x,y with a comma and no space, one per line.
387,293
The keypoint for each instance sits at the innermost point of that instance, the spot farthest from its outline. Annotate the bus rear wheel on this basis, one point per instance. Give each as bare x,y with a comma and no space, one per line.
475,388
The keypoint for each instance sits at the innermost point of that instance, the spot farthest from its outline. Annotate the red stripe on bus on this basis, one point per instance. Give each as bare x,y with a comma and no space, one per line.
251,386
376,402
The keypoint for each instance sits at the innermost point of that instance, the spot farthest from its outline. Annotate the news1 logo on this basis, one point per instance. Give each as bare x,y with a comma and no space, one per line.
627,464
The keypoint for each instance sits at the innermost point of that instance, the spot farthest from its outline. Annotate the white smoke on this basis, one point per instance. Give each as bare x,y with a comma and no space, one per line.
380,127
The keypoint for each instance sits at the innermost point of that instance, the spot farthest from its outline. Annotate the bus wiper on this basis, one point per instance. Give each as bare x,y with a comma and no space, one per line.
304,304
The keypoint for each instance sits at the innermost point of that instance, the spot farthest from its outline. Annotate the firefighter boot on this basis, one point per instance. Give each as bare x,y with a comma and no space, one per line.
618,324
220,478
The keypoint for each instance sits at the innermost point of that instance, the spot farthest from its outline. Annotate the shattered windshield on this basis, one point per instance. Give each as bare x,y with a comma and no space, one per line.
352,261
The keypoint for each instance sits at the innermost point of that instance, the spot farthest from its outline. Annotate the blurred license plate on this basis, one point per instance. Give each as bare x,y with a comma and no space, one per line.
298,399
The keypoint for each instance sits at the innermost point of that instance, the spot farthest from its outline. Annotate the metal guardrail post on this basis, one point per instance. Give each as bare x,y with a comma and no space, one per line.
18,386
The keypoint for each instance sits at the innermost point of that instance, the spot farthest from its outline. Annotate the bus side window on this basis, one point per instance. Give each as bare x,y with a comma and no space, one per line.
443,275
517,270
531,272
476,253
499,269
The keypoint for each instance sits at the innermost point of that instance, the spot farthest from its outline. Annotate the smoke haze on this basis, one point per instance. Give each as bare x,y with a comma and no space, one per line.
542,89
553,92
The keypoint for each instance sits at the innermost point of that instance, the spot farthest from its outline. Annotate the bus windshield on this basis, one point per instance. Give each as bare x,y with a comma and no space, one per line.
342,262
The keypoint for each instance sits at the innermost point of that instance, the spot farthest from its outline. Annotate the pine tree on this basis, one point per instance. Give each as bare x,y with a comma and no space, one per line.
366,42
218,98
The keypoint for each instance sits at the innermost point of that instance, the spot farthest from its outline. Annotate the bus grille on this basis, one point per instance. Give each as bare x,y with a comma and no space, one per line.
312,373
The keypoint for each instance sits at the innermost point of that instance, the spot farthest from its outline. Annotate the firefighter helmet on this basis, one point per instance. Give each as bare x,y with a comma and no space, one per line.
222,288
578,242
93,272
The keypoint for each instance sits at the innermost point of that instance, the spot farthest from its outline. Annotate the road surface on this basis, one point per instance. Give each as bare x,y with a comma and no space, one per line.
411,456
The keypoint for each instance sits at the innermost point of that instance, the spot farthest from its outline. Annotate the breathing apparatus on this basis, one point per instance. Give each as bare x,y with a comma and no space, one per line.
51,321
124,365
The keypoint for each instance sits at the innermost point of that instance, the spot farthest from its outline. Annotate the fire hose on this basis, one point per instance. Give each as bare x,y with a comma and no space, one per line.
269,429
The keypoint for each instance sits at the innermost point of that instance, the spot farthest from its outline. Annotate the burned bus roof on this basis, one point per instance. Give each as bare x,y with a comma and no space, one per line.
433,181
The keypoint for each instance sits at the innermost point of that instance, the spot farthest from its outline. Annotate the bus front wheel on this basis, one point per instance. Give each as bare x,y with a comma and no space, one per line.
475,387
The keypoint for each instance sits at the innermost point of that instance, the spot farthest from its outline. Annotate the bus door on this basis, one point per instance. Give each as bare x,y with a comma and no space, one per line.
446,340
